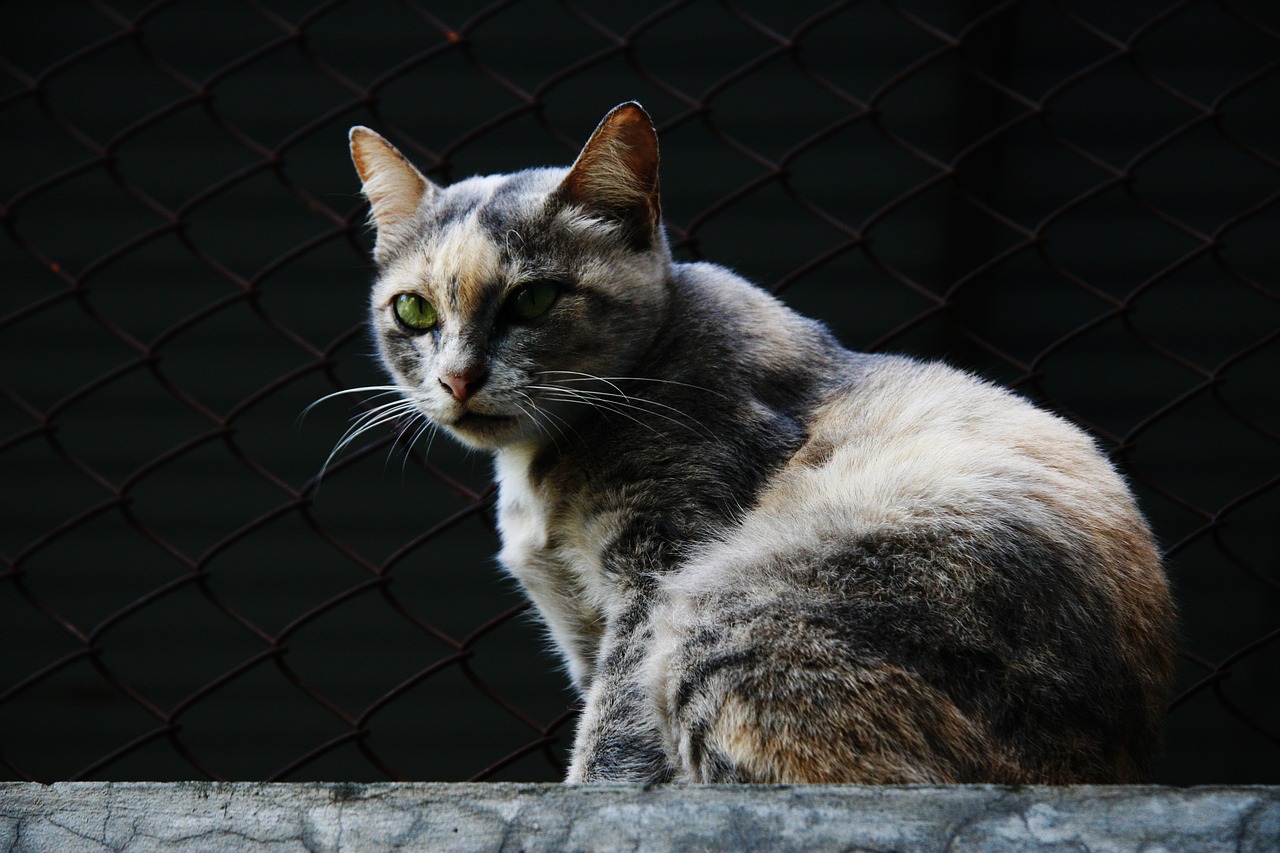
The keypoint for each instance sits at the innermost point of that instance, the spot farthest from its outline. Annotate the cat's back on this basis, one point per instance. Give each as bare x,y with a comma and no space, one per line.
907,445
905,442
952,566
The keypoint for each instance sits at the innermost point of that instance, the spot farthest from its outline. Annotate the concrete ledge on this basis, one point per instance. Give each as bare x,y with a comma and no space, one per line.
139,817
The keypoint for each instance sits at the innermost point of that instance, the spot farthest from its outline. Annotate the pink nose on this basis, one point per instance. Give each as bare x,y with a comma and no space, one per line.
463,386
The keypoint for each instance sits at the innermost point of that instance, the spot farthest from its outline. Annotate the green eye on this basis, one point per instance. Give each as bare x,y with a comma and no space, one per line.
532,300
414,312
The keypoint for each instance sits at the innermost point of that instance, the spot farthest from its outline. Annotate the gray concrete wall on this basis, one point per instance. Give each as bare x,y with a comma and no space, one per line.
137,817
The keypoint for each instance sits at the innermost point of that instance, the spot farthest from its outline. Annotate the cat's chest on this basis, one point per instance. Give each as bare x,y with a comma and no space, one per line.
551,542
522,513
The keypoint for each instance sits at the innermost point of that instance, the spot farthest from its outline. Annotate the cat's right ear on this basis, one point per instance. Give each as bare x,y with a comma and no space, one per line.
394,188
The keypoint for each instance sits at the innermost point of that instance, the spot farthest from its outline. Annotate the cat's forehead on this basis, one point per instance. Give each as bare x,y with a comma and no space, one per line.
466,238
454,267
485,233
496,201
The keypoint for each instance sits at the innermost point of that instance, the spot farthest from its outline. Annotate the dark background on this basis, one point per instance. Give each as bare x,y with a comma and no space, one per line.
1075,198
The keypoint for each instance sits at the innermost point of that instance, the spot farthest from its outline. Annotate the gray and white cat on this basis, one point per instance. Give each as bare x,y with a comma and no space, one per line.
763,557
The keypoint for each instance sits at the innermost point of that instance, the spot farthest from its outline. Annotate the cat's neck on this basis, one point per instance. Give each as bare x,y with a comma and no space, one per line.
680,446
722,350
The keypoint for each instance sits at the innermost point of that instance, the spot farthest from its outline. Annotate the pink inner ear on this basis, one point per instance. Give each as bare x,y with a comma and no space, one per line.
618,167
391,183
637,146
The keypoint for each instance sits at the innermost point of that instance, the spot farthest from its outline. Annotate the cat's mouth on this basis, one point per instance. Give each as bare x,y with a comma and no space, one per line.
478,423
482,418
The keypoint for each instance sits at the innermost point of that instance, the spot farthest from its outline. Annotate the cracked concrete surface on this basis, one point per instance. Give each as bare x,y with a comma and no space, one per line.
145,817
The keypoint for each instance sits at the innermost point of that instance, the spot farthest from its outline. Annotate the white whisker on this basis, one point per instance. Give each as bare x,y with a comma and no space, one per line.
533,417
591,377
631,400
424,424
365,423
552,418
584,377
604,401
382,391
374,417
571,396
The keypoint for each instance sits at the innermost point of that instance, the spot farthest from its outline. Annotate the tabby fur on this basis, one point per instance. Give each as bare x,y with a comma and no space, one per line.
764,557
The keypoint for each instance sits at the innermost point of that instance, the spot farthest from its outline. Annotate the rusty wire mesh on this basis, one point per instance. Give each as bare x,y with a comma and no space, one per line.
1076,198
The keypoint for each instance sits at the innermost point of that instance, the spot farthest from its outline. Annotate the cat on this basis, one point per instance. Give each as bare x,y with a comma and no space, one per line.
762,557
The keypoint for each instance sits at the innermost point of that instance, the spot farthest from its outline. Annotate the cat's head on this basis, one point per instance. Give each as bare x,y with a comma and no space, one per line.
498,296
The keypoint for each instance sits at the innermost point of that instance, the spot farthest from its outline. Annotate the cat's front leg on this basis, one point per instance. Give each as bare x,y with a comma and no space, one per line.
618,737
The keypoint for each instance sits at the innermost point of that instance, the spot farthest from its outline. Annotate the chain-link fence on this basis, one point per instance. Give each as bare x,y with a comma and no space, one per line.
1076,198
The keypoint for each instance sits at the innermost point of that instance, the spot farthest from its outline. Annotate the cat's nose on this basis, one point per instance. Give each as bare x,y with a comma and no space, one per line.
463,386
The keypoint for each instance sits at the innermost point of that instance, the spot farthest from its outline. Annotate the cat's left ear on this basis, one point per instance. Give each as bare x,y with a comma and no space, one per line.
616,175
395,189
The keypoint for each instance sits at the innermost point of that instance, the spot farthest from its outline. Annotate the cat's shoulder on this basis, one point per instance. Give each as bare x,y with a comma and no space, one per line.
712,284
901,380
946,424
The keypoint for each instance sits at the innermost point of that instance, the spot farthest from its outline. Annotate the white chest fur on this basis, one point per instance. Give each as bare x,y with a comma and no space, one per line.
522,514
545,547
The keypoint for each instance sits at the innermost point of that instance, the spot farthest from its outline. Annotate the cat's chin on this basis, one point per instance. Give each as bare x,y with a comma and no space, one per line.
485,432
